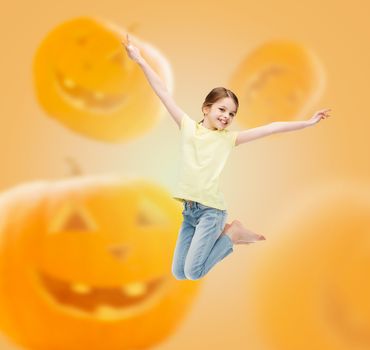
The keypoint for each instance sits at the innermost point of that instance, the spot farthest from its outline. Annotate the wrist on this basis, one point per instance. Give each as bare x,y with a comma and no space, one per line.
141,62
310,122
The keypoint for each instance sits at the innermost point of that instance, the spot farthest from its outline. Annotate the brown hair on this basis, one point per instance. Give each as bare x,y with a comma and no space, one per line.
216,94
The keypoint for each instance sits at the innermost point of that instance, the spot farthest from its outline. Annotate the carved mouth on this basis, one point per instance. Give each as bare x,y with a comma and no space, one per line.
83,98
351,326
105,302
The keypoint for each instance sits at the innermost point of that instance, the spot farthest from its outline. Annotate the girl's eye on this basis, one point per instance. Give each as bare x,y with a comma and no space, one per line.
221,109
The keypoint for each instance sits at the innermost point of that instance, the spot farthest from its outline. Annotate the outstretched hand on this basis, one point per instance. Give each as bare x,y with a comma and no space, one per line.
132,51
321,114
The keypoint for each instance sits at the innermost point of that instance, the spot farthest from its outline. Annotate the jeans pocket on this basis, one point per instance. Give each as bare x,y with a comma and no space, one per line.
203,207
224,218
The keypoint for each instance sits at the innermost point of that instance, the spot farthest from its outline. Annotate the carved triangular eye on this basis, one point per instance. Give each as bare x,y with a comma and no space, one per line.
82,39
75,222
149,213
71,217
118,57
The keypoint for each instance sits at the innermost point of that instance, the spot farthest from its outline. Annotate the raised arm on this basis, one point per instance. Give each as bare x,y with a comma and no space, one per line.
155,82
275,127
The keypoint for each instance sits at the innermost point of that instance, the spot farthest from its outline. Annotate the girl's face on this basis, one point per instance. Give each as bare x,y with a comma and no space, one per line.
220,115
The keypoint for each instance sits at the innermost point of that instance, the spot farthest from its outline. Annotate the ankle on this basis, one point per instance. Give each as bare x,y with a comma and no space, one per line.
226,229
230,231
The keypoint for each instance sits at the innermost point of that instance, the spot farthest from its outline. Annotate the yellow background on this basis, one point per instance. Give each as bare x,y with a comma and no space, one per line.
261,178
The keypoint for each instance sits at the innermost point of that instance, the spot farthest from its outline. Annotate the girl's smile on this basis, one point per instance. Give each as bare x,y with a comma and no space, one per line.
220,114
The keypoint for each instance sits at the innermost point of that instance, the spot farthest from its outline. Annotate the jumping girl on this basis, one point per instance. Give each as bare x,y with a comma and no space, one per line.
204,239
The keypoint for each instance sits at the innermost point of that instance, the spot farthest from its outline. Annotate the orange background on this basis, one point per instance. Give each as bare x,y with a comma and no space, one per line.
262,178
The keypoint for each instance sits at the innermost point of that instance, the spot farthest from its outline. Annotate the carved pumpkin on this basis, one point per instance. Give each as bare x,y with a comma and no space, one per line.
280,80
310,287
84,79
86,264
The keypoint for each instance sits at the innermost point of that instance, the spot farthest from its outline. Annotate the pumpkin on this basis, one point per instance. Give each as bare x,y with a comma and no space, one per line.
86,264
277,80
85,80
310,287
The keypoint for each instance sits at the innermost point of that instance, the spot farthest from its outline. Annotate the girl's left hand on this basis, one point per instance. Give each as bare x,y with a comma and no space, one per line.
321,114
132,51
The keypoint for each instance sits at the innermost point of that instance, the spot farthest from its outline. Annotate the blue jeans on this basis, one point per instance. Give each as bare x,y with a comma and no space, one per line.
200,244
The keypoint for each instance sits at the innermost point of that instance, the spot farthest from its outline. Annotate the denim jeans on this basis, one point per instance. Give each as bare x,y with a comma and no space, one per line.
200,244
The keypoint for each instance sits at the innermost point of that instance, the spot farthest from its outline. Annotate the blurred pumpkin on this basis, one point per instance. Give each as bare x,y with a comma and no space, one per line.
85,264
279,80
309,288
84,79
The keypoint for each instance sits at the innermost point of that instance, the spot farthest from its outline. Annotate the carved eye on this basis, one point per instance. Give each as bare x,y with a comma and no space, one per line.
149,213
117,57
71,217
82,40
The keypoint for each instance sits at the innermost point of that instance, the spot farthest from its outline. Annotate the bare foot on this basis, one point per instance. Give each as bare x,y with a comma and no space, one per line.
241,235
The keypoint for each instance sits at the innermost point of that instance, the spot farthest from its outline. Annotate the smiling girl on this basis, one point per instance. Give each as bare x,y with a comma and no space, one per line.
204,237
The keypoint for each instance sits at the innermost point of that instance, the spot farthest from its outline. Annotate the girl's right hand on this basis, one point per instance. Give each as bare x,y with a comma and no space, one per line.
132,51
321,114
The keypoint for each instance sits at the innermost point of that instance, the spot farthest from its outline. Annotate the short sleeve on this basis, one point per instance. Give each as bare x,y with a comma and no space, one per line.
182,121
233,135
186,121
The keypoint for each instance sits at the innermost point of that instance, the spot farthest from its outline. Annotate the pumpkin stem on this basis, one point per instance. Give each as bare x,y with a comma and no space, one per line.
132,27
75,168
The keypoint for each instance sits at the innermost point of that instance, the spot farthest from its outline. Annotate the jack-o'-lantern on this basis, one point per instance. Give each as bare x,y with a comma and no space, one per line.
280,80
86,264
84,79
310,289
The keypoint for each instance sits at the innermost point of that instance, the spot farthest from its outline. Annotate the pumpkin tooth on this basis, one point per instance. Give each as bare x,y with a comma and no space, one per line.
99,95
69,83
80,288
134,289
105,311
80,103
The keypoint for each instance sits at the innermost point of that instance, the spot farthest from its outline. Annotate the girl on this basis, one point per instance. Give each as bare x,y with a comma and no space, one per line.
204,239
